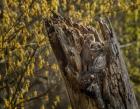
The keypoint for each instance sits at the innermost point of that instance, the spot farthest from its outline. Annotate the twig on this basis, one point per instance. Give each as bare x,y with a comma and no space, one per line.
22,75
33,98
128,44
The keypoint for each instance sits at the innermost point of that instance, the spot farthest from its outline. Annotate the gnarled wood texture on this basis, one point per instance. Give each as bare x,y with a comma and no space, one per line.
93,69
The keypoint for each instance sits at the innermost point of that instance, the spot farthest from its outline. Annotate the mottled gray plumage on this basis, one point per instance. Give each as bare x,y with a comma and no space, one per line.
99,63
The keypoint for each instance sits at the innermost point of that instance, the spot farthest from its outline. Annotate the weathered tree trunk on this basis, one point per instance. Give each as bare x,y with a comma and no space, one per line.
93,69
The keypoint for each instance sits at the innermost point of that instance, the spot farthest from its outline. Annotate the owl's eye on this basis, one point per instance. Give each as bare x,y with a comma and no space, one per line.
91,46
99,46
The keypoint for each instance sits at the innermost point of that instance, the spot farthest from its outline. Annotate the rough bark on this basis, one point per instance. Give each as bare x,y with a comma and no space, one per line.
93,69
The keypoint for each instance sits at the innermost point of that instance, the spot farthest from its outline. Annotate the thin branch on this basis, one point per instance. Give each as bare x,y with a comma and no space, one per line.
17,88
128,44
12,36
21,77
33,98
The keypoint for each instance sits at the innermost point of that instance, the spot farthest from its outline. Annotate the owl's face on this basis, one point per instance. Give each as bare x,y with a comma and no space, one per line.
95,46
95,49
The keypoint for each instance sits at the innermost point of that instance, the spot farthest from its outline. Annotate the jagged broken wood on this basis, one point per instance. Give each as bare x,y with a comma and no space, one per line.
93,69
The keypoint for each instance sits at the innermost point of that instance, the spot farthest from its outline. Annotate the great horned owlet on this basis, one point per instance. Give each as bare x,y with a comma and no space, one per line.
86,55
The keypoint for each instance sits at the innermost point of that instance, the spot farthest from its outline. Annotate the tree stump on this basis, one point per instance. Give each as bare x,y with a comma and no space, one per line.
92,65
